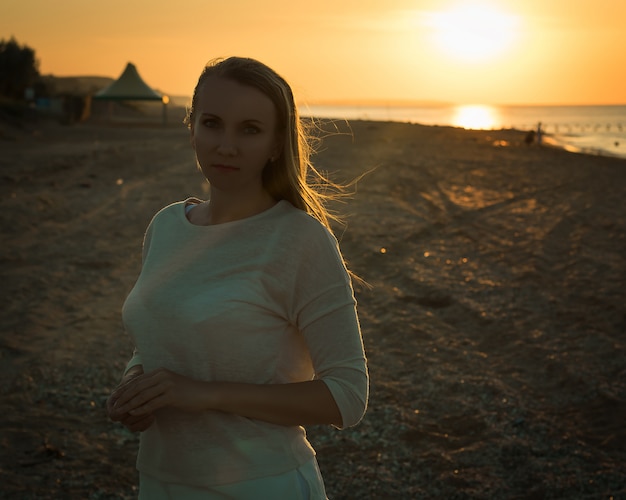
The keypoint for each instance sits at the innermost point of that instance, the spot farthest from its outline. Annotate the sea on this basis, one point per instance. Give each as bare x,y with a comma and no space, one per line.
598,130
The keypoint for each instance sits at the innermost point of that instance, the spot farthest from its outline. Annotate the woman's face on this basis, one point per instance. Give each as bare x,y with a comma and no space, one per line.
233,135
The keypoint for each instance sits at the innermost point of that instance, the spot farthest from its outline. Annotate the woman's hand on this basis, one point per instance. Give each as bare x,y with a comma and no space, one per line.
144,394
132,423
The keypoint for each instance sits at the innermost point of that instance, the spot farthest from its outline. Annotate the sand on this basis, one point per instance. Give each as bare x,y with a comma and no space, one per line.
494,325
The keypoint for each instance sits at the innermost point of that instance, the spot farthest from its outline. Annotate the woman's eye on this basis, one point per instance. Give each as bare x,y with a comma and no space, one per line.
211,123
251,129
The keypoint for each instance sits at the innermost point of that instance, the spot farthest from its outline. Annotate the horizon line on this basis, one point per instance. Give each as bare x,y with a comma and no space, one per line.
373,101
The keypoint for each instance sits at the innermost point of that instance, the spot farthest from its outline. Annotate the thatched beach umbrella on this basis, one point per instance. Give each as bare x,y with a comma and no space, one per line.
131,87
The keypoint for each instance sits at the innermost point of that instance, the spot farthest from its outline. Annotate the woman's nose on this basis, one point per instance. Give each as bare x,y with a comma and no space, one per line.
227,145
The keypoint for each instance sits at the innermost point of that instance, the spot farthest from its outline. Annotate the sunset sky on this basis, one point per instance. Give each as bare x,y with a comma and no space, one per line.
464,52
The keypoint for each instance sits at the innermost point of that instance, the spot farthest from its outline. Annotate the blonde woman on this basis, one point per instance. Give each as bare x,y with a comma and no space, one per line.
243,316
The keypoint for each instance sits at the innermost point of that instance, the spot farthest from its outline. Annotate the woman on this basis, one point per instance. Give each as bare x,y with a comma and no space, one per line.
243,316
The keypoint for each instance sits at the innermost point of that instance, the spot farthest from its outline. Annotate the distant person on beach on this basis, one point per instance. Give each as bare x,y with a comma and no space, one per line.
243,316
539,134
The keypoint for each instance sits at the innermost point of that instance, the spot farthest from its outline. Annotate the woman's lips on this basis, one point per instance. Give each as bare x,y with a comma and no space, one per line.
225,168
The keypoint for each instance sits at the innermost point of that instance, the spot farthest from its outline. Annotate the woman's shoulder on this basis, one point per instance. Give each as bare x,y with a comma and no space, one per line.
174,209
299,217
311,246
302,223
303,230
176,206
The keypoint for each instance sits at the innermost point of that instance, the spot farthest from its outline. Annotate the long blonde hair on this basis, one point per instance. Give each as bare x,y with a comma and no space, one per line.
291,176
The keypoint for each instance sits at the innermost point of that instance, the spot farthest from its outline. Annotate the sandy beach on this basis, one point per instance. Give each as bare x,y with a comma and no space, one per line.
494,326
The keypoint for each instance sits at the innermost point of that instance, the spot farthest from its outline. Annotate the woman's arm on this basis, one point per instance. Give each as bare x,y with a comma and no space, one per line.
298,403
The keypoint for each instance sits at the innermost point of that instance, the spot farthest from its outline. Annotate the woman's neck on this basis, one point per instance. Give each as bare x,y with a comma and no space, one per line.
224,207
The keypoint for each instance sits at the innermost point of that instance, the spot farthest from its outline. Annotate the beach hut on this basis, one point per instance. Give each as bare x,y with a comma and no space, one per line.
131,87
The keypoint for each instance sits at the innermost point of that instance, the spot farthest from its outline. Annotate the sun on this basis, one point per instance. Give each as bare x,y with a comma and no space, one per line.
474,32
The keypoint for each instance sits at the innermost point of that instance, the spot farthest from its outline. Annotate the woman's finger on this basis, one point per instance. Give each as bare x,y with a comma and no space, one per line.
150,406
133,388
139,424
143,399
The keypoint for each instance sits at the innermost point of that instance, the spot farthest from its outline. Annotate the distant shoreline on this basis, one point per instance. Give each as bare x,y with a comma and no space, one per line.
584,129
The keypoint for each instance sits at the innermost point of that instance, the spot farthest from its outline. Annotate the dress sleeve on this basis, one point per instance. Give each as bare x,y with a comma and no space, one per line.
134,361
136,357
327,317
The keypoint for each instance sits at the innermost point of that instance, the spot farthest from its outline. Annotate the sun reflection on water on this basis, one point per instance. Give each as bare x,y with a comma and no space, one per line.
476,117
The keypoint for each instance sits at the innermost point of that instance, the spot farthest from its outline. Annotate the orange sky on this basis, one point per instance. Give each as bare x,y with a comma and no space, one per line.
483,52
